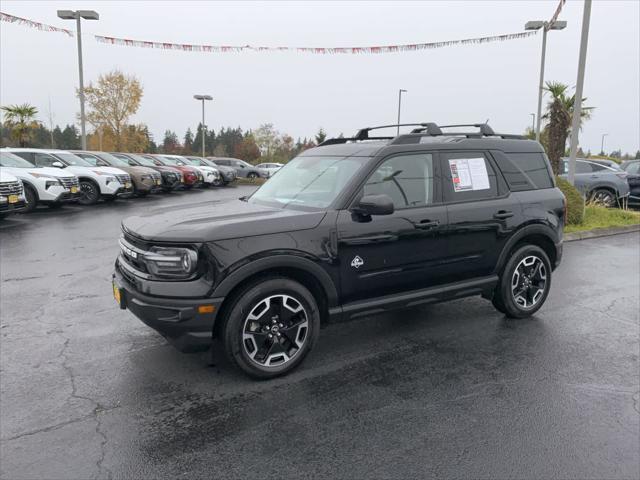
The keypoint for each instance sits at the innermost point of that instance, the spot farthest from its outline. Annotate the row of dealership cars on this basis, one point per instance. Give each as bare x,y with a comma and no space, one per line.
30,176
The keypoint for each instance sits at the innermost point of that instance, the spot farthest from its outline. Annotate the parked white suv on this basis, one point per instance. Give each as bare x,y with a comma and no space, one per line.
95,182
210,175
11,194
49,186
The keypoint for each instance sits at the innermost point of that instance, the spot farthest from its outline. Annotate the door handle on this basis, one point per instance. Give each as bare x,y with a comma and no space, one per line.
502,214
426,224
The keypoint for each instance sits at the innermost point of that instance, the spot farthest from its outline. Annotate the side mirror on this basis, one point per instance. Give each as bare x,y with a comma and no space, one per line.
57,164
374,205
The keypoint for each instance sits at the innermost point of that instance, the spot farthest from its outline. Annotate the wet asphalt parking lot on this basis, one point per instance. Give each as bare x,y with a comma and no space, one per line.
448,390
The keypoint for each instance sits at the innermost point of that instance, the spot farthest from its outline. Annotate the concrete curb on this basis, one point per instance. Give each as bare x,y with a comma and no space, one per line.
600,232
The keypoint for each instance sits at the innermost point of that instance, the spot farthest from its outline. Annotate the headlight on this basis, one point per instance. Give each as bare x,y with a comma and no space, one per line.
171,262
111,179
52,183
42,175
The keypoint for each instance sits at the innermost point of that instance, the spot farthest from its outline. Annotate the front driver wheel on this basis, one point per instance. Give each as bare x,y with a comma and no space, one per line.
525,283
271,326
90,194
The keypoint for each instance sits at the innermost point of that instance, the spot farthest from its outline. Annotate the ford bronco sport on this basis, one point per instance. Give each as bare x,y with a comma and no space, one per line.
352,227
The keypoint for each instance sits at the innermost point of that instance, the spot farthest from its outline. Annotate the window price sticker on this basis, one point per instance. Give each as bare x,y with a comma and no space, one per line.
469,174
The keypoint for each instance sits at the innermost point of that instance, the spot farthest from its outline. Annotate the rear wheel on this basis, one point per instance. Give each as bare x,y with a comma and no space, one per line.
524,284
603,197
32,198
252,175
90,193
270,327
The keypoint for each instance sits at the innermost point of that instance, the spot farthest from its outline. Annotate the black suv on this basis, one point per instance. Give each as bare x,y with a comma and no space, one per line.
352,227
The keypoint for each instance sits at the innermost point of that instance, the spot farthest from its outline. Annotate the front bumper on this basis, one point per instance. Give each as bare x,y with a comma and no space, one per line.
6,207
64,197
176,319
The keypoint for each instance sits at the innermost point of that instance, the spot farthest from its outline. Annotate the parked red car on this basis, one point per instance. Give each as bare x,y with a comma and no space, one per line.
192,176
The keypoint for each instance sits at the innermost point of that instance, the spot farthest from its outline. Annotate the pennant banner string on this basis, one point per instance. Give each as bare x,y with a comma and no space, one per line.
5,17
317,50
242,48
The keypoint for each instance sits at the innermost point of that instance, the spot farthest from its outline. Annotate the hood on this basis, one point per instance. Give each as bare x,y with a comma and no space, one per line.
218,220
137,170
91,170
6,176
26,172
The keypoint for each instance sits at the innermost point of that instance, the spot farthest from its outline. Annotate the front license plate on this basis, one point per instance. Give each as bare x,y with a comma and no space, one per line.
117,294
13,199
127,185
74,189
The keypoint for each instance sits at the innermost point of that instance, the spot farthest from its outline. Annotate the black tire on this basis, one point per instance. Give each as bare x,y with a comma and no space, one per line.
218,183
252,175
531,280
303,326
90,192
604,197
32,198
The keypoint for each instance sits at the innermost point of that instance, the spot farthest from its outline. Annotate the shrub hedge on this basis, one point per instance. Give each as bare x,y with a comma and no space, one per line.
575,202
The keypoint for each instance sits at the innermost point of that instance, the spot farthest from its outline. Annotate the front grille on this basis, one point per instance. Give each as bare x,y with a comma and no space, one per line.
123,178
68,182
10,188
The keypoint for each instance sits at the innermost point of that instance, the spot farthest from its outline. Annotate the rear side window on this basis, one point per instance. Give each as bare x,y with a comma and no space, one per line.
468,176
525,171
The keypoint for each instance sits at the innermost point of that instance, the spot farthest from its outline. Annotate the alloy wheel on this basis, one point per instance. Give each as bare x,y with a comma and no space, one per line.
529,282
275,331
89,193
604,198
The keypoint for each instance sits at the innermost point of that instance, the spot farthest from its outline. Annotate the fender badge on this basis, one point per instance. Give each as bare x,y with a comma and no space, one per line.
357,262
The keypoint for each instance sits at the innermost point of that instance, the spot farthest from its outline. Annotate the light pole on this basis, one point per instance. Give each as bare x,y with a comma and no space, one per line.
203,128
577,107
400,92
77,15
537,25
533,122
602,143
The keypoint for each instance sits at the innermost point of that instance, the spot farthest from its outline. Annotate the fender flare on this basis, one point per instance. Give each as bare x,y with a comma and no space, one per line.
27,183
535,229
279,261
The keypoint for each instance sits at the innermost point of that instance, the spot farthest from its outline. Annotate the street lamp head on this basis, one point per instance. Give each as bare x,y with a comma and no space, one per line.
203,97
67,14
558,25
71,15
534,25
89,14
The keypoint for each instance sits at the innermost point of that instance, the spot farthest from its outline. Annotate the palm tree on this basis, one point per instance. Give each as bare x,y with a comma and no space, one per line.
559,114
21,120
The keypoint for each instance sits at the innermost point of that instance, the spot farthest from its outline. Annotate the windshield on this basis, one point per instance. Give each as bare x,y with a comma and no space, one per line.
71,159
113,161
313,182
10,160
142,160
170,161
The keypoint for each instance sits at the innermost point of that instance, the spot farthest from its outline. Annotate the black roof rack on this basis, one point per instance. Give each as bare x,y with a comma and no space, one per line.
427,128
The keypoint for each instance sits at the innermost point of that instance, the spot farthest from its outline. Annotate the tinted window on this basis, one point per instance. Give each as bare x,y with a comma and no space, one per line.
407,179
598,168
468,176
633,168
526,171
582,167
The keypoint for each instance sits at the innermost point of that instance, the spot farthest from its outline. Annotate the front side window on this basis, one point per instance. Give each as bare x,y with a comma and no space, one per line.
406,179
468,176
44,159
308,182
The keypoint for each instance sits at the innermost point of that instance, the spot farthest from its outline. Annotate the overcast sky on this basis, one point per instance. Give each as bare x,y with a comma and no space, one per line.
299,93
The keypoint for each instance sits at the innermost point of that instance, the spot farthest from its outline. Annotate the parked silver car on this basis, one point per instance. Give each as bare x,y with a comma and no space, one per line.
599,183
242,168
